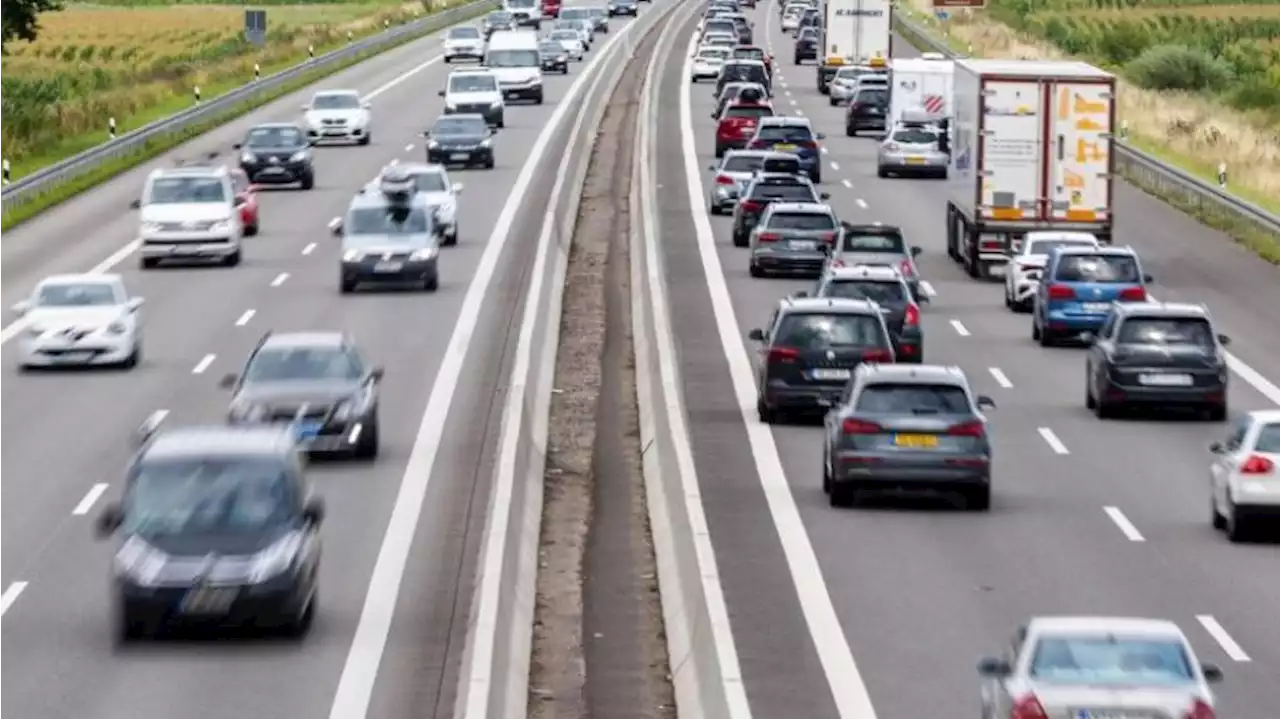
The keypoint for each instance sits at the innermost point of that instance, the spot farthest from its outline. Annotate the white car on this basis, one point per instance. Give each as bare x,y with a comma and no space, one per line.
1245,475
707,63
584,27
714,39
475,91
188,214
571,41
338,116
791,18
433,181
80,320
464,42
1022,274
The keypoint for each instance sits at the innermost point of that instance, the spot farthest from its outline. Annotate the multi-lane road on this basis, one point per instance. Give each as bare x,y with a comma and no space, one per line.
836,611
446,356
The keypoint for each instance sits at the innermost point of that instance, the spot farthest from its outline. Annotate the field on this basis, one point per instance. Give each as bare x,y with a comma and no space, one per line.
139,61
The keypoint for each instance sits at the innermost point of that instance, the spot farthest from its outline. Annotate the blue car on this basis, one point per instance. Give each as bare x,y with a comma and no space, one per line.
794,135
1078,288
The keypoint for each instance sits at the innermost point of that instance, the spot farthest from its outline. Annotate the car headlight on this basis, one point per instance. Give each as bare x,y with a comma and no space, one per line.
352,256
139,562
117,328
248,158
150,226
423,254
299,156
275,559
248,412
220,226
433,145
486,143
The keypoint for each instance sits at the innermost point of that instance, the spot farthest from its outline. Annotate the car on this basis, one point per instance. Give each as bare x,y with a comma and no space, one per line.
584,26
554,57
744,71
720,40
551,8
809,350
460,139
908,429
80,321
1095,666
912,149
513,56
624,7
764,189
442,195
794,135
474,92
464,42
806,46
315,383
792,238
527,13
791,19
847,80
868,109
707,63
188,214
810,19
737,124
218,526
570,41
733,173
600,16
886,287
1022,273
1244,483
1079,287
720,24
246,201
879,245
338,116
497,21
1157,354
277,153
742,26
738,92
751,52
389,236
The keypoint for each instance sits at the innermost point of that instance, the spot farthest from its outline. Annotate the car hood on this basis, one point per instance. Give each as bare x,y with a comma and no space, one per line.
487,97
191,553
351,116
56,319
186,212
298,393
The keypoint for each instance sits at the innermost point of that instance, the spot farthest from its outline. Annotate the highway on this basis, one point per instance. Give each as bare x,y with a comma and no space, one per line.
884,612
66,435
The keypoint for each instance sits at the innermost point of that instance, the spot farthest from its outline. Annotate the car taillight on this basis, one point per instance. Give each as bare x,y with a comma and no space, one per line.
877,355
758,144
913,316
907,269
752,206
725,180
783,355
1201,710
807,144
1061,292
829,238
1257,464
968,429
857,426
769,237
990,245
1133,294
1028,707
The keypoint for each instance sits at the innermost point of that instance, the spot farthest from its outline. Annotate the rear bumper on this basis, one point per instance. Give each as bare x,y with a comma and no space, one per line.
880,473
778,262
816,397
1059,321
1204,396
415,271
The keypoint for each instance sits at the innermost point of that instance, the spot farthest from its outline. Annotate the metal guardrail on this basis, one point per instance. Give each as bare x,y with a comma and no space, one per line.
26,189
1183,189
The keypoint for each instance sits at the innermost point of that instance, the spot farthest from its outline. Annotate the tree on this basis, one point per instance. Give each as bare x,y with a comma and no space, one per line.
20,17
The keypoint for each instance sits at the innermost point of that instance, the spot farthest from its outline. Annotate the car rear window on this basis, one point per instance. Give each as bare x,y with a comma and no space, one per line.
872,96
913,399
915,137
819,331
801,221
878,291
855,242
749,53
755,111
742,71
797,193
1269,439
1109,659
784,133
1044,247
719,26
1166,331
745,163
1103,269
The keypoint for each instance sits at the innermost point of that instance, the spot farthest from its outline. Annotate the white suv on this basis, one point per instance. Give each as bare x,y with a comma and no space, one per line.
474,92
1022,274
338,115
190,214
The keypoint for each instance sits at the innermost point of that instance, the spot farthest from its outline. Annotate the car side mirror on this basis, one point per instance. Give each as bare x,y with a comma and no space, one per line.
377,373
313,511
916,250
237,146
756,335
134,304
711,168
985,402
824,195
22,308
304,107
458,187
1212,673
994,668
441,93
335,226
426,133
1216,447
821,135
1224,340
135,204
109,520
228,381
1148,279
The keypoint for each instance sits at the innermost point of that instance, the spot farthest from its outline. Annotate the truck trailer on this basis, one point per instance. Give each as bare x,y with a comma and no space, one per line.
922,85
1031,150
854,32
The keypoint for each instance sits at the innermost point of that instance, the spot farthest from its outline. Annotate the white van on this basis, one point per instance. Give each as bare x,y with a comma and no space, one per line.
513,56
526,12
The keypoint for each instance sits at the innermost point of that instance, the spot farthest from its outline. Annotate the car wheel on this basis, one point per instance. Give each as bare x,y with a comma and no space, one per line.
367,447
538,99
719,150
308,182
739,239
431,285
365,139
251,230
451,239
850,131
134,357
149,263
1102,409
488,164
347,286
833,102
713,209
755,270
1237,528
232,259
1046,338
1089,401
826,476
1218,413
300,626
978,499
130,628
843,494
763,411
816,177
502,123
1216,519
882,172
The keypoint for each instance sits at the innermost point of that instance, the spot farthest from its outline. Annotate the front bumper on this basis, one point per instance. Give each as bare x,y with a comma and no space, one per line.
912,473
368,271
631,10
470,52
531,91
840,93
493,115
189,247
275,600
465,156
337,133
285,173
95,351
556,65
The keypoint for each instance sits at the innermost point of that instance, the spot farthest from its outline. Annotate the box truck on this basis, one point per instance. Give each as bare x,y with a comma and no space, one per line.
922,85
1031,150
854,32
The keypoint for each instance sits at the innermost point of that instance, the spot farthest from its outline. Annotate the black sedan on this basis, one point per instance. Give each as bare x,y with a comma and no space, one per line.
553,57
277,153
806,47
460,140
624,7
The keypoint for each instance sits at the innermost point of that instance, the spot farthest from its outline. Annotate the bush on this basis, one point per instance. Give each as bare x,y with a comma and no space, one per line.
1173,67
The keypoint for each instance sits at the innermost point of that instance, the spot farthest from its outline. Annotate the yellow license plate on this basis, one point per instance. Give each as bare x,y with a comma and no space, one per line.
784,148
916,441
915,160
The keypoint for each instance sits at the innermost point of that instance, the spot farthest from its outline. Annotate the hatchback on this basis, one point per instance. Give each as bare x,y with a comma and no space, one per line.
1079,285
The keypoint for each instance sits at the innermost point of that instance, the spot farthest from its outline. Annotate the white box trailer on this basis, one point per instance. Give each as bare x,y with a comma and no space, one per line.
924,86
1031,150
854,32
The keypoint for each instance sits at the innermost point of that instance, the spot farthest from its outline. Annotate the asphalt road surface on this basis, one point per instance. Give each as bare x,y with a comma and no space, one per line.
1089,517
66,434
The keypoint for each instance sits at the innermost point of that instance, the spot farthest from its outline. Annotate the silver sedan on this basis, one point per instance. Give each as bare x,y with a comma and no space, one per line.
734,172
912,151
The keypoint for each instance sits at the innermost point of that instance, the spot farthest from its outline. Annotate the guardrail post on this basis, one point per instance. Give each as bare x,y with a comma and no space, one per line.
1124,129
111,127
348,36
257,72
386,24
7,171
1222,175
196,90
311,52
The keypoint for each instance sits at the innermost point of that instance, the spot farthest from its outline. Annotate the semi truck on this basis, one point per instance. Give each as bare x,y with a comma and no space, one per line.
1031,150
923,85
854,32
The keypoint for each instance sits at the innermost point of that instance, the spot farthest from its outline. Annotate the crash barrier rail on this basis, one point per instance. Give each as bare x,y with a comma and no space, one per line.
26,189
1178,187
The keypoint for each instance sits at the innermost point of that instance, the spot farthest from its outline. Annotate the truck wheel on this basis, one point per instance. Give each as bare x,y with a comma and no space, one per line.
952,250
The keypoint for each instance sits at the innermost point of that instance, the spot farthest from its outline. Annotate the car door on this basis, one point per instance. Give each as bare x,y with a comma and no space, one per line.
1050,267
1225,461
1096,364
832,420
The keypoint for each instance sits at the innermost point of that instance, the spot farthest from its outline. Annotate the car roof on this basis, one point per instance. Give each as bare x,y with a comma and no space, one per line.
879,229
777,178
810,208
1161,309
877,273
420,168
277,340
1084,625
472,71
83,277
320,93
1265,415
787,120
190,171
1111,251
829,305
211,441
912,374
472,116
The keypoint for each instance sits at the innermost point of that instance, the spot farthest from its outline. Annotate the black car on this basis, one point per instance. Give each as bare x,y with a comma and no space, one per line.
277,153
766,188
744,71
1157,354
806,47
809,351
496,21
460,140
867,111
743,28
887,288
315,382
624,7
553,58
218,528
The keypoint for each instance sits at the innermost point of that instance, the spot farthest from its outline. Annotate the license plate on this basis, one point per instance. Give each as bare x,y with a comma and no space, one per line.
209,600
784,148
915,160
803,245
915,441
74,356
1086,714
1097,307
388,267
273,170
307,430
461,156
831,374
1166,380
335,133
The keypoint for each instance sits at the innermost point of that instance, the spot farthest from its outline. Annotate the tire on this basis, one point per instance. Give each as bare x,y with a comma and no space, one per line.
816,177
1089,402
1045,337
308,182
538,100
149,263
432,284
488,164
764,412
881,172
367,447
849,131
130,628
347,286
365,140
719,150
232,259
502,123
714,210
739,240
843,495
1216,519
251,230
1237,530
756,271
833,102
1102,410
978,499
447,60
826,476
300,626
134,358
1217,414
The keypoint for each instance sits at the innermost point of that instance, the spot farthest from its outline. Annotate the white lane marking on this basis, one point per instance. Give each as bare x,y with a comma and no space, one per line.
409,147
311,247
90,498
155,418
847,184
203,364
835,166
861,203
1126,527
279,280
10,595
1001,378
1052,440
360,670
787,93
1224,640
838,664
793,102
927,288
244,318
960,328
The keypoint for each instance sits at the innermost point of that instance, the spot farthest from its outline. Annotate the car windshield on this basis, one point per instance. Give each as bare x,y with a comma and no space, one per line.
818,331
466,32
872,96
1110,659
80,294
915,136
1044,247
742,164
752,111
566,35
473,82
719,25
794,193
907,398
855,242
303,364
1101,269
1269,438
512,58
1166,331
801,221
713,53
208,496
177,190
283,137
431,181
551,48
749,53
455,126
878,291
381,221
784,133
335,101
808,34
499,18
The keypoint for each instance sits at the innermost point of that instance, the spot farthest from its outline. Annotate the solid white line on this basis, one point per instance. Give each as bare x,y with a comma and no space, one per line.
1052,440
862,204
409,147
11,595
1221,636
847,184
360,670
1000,377
960,328
845,681
279,280
835,166
203,364
244,318
1126,527
311,247
95,492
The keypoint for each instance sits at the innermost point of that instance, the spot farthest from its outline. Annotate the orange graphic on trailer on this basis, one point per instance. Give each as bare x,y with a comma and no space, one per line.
1081,106
1087,124
1074,182
1089,151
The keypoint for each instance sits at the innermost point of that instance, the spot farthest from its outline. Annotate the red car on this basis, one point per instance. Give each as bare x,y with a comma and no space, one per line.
751,52
551,8
737,124
246,200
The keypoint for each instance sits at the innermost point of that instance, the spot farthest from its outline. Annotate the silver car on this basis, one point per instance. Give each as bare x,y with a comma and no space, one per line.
793,237
848,80
1097,667
733,174
912,150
